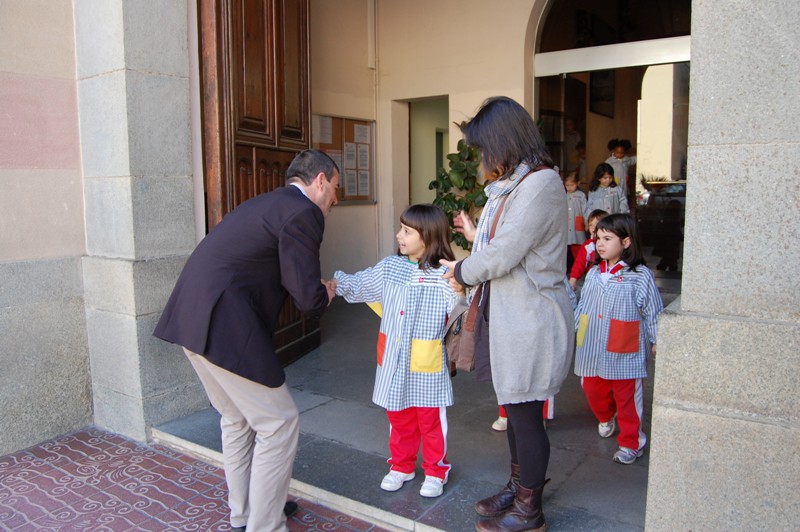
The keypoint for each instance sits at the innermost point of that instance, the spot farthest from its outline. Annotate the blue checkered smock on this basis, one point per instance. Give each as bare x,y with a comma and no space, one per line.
616,322
412,365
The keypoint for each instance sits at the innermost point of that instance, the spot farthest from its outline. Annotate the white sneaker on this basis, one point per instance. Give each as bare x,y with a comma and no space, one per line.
606,430
432,487
627,456
500,424
394,480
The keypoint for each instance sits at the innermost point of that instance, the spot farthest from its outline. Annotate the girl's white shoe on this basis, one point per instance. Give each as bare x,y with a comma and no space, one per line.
500,424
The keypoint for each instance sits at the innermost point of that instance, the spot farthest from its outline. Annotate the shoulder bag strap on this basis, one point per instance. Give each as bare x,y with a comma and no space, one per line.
472,314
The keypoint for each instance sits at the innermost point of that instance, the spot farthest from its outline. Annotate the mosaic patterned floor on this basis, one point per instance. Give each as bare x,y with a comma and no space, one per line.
95,480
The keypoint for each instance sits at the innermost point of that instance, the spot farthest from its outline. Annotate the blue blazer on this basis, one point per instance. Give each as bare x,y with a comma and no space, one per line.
226,302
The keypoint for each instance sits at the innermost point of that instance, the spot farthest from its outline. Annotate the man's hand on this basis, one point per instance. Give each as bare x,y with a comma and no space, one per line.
330,286
464,225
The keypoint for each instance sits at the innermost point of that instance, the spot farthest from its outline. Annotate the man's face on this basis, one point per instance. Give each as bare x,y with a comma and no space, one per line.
326,194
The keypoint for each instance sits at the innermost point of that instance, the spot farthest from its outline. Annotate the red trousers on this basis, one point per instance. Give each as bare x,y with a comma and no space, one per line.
412,426
625,398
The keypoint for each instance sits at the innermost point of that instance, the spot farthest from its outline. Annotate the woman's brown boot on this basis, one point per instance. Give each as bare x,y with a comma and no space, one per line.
525,514
494,505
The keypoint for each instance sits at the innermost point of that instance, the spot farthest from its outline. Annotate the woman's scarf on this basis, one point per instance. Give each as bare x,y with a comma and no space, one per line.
495,191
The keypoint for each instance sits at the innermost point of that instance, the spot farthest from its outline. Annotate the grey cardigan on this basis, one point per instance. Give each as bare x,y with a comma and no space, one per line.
531,323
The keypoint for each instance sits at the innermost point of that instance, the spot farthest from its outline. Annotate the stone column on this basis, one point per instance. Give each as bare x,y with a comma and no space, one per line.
726,410
133,98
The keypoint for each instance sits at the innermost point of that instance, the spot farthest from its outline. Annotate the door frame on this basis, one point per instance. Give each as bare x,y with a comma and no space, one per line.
612,56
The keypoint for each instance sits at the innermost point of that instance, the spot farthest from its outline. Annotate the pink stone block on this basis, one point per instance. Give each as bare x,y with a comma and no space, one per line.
38,122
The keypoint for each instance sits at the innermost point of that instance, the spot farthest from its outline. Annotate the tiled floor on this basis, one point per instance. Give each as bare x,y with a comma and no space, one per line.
95,480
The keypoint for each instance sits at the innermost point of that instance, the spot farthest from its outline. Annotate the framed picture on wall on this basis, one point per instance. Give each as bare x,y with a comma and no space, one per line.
601,92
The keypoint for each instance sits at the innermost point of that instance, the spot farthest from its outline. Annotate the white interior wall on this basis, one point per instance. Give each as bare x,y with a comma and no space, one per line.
416,59
426,118
654,148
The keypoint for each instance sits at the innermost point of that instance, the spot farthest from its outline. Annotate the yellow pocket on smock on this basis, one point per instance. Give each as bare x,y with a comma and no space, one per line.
583,324
426,356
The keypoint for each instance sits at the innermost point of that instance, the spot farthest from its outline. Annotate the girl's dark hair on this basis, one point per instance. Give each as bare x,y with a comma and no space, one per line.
602,169
624,226
616,143
506,135
431,223
572,176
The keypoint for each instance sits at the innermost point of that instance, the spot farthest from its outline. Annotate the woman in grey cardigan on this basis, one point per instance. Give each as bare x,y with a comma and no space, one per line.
524,302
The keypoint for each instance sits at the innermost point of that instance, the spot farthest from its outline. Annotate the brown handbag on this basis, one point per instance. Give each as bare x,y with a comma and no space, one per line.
459,337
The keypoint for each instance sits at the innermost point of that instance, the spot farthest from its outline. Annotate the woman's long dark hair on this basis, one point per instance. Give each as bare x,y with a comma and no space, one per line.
431,223
506,135
600,171
624,226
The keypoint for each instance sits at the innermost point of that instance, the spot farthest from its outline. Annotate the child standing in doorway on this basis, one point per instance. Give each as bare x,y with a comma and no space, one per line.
412,380
617,324
621,162
604,193
586,253
576,207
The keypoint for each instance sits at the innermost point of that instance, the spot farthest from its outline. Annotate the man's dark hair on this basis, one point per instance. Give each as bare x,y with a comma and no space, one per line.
308,163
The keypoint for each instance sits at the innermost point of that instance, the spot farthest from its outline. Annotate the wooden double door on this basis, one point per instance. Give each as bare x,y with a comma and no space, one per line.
256,116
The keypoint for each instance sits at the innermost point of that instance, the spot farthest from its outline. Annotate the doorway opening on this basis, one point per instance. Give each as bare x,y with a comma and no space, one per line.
428,145
645,108
618,71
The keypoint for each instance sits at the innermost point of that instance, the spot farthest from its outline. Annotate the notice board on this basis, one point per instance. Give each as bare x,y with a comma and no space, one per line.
351,143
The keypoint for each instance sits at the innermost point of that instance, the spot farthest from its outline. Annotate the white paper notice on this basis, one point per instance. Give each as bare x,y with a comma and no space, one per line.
321,129
349,155
350,183
363,182
361,134
336,155
363,156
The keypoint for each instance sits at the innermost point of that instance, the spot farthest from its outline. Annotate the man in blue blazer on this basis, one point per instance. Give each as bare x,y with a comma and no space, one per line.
223,312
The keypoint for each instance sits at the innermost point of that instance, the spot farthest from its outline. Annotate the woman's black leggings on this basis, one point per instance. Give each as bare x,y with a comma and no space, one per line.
528,442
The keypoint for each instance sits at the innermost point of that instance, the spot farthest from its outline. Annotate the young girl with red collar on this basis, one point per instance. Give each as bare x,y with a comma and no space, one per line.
586,256
412,380
617,322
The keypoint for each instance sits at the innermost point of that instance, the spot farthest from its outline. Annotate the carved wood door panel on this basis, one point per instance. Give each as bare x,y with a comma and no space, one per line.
256,116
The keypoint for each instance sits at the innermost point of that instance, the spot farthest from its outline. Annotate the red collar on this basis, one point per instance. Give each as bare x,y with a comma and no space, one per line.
614,269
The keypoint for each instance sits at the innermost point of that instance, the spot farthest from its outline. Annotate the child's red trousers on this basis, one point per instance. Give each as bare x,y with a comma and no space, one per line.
412,426
625,398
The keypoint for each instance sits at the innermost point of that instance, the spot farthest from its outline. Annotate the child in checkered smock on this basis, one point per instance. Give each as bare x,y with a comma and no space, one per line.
412,380
617,322
604,193
576,226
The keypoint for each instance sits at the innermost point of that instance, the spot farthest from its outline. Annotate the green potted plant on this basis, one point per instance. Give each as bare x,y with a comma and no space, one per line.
458,189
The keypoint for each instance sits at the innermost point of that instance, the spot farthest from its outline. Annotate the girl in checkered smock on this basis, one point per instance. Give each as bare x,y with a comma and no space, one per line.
617,319
412,380
604,193
576,227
